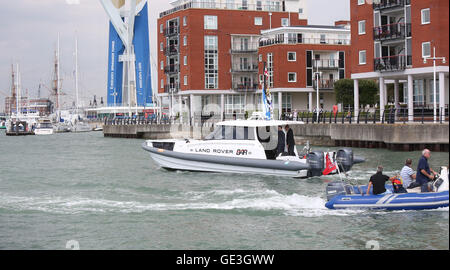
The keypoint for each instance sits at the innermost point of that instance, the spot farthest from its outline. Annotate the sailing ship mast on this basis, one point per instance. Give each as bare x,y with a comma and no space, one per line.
76,71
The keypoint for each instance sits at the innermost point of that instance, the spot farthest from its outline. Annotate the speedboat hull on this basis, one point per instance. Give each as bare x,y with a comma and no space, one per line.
208,163
399,201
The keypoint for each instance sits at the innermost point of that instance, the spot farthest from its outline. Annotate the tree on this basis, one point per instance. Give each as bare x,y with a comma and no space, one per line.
344,90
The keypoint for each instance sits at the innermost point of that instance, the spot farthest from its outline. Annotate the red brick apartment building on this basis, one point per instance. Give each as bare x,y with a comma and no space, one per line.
391,38
211,52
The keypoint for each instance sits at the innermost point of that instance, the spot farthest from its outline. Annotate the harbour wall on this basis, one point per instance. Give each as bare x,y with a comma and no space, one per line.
398,137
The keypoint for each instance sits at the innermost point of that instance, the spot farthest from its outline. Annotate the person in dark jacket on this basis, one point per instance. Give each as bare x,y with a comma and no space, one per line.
378,182
281,141
290,141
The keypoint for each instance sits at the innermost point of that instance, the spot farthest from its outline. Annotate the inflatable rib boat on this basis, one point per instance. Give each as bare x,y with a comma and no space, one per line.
342,196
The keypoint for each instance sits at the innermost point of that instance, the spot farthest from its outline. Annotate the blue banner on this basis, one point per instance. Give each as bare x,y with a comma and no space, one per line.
142,52
115,68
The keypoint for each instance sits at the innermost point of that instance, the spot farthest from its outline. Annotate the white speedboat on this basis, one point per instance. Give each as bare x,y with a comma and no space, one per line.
44,127
244,146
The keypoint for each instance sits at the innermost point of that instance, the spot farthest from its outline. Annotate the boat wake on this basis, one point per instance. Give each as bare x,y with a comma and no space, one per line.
267,201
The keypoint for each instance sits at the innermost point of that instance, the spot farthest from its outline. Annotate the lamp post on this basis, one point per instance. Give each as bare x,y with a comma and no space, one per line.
318,74
434,58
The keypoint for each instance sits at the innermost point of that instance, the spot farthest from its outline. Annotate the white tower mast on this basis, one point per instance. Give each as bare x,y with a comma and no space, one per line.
76,71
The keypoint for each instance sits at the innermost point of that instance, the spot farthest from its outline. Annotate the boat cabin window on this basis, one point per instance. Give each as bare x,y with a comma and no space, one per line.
45,125
232,133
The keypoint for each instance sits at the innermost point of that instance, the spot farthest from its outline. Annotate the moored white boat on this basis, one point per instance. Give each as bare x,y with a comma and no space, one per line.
44,127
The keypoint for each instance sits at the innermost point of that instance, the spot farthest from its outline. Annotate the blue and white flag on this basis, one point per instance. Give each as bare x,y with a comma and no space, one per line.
266,97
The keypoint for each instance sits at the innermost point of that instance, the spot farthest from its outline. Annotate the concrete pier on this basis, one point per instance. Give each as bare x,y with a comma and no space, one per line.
397,137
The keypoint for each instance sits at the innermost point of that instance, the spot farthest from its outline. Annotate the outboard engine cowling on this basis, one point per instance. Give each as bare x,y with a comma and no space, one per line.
345,159
334,189
316,163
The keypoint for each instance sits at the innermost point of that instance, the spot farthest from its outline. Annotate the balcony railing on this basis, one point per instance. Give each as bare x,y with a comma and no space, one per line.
392,31
385,4
326,63
273,41
171,31
173,87
239,50
171,50
247,68
245,87
216,5
324,84
169,69
392,63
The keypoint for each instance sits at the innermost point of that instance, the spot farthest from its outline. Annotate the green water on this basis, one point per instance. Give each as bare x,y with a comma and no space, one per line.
107,193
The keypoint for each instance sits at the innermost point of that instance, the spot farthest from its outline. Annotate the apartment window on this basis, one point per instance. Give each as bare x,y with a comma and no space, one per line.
284,22
244,4
260,58
361,27
418,93
361,2
426,49
162,65
258,20
292,56
258,5
162,83
161,28
210,22
185,60
184,21
234,103
425,16
362,57
211,62
270,69
300,11
230,4
161,46
185,80
185,41
292,77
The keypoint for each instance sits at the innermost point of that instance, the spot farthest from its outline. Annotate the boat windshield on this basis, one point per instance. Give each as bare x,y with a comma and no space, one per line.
45,125
232,133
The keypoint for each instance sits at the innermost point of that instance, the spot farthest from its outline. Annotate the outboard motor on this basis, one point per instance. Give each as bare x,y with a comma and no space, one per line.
345,159
316,163
334,189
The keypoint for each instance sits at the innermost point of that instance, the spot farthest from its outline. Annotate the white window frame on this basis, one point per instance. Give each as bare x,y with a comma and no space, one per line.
365,56
161,47
210,22
429,44
260,58
184,40
185,60
361,29
295,77
161,28
258,21
422,17
162,83
361,2
283,22
185,80
185,21
162,65
295,56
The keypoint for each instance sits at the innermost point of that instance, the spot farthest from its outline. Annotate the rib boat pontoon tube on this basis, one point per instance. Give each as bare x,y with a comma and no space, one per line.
342,196
244,146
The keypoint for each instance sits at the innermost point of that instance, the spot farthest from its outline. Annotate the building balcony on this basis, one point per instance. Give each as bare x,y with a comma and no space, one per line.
388,4
245,87
245,69
325,84
170,69
392,31
172,88
171,50
171,31
218,5
320,41
244,50
392,63
326,63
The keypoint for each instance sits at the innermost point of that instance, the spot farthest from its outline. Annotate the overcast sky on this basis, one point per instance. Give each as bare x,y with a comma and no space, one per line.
29,30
